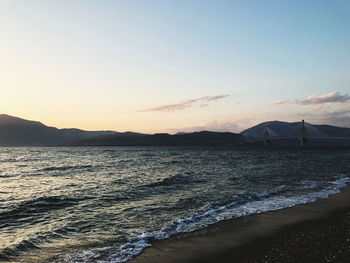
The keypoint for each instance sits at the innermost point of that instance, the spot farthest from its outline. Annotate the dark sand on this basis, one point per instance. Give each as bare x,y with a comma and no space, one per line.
315,232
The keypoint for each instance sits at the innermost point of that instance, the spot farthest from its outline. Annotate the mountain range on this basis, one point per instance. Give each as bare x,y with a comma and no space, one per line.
19,132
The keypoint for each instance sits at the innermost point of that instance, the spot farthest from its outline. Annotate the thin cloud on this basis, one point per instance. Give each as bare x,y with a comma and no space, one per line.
281,102
205,101
332,97
340,117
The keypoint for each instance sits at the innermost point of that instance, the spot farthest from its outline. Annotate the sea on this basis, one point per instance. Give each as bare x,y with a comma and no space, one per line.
107,204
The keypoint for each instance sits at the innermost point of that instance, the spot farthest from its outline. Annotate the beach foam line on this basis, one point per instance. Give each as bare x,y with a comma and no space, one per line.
243,206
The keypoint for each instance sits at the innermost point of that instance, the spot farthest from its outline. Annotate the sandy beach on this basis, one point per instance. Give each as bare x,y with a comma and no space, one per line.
314,232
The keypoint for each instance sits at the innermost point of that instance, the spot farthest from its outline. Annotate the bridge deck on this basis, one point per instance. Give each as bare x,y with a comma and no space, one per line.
288,138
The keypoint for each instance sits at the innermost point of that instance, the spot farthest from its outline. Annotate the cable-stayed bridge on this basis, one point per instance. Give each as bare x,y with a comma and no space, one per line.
302,137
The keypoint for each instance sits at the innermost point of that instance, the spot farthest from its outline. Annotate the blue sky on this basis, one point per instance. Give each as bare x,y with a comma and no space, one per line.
118,64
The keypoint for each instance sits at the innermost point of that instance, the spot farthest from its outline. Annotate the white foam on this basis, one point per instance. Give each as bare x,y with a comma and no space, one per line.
250,205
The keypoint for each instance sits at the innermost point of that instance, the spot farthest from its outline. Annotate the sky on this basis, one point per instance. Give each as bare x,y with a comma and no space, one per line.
170,66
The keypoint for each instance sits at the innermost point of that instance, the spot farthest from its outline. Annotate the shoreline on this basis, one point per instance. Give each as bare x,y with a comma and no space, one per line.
274,236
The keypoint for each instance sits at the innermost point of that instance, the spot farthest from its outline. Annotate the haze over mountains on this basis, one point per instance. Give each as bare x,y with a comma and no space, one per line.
19,132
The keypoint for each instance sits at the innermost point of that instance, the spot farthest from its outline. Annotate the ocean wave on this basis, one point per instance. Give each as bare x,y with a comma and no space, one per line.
8,253
243,205
6,176
31,208
175,180
66,168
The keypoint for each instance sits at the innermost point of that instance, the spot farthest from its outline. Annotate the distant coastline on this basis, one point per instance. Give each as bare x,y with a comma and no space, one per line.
20,132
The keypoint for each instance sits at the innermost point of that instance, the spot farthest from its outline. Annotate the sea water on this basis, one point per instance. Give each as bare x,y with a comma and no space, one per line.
106,204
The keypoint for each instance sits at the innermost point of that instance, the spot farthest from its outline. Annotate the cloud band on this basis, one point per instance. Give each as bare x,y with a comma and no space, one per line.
332,97
205,101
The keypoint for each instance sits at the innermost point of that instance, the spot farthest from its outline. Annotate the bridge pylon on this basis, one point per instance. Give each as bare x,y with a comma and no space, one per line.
267,137
303,134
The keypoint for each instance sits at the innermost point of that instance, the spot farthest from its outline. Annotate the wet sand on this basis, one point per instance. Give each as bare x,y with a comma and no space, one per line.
315,232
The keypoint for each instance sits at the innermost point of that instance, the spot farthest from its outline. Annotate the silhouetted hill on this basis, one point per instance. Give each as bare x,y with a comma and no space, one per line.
19,132
204,138
292,129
